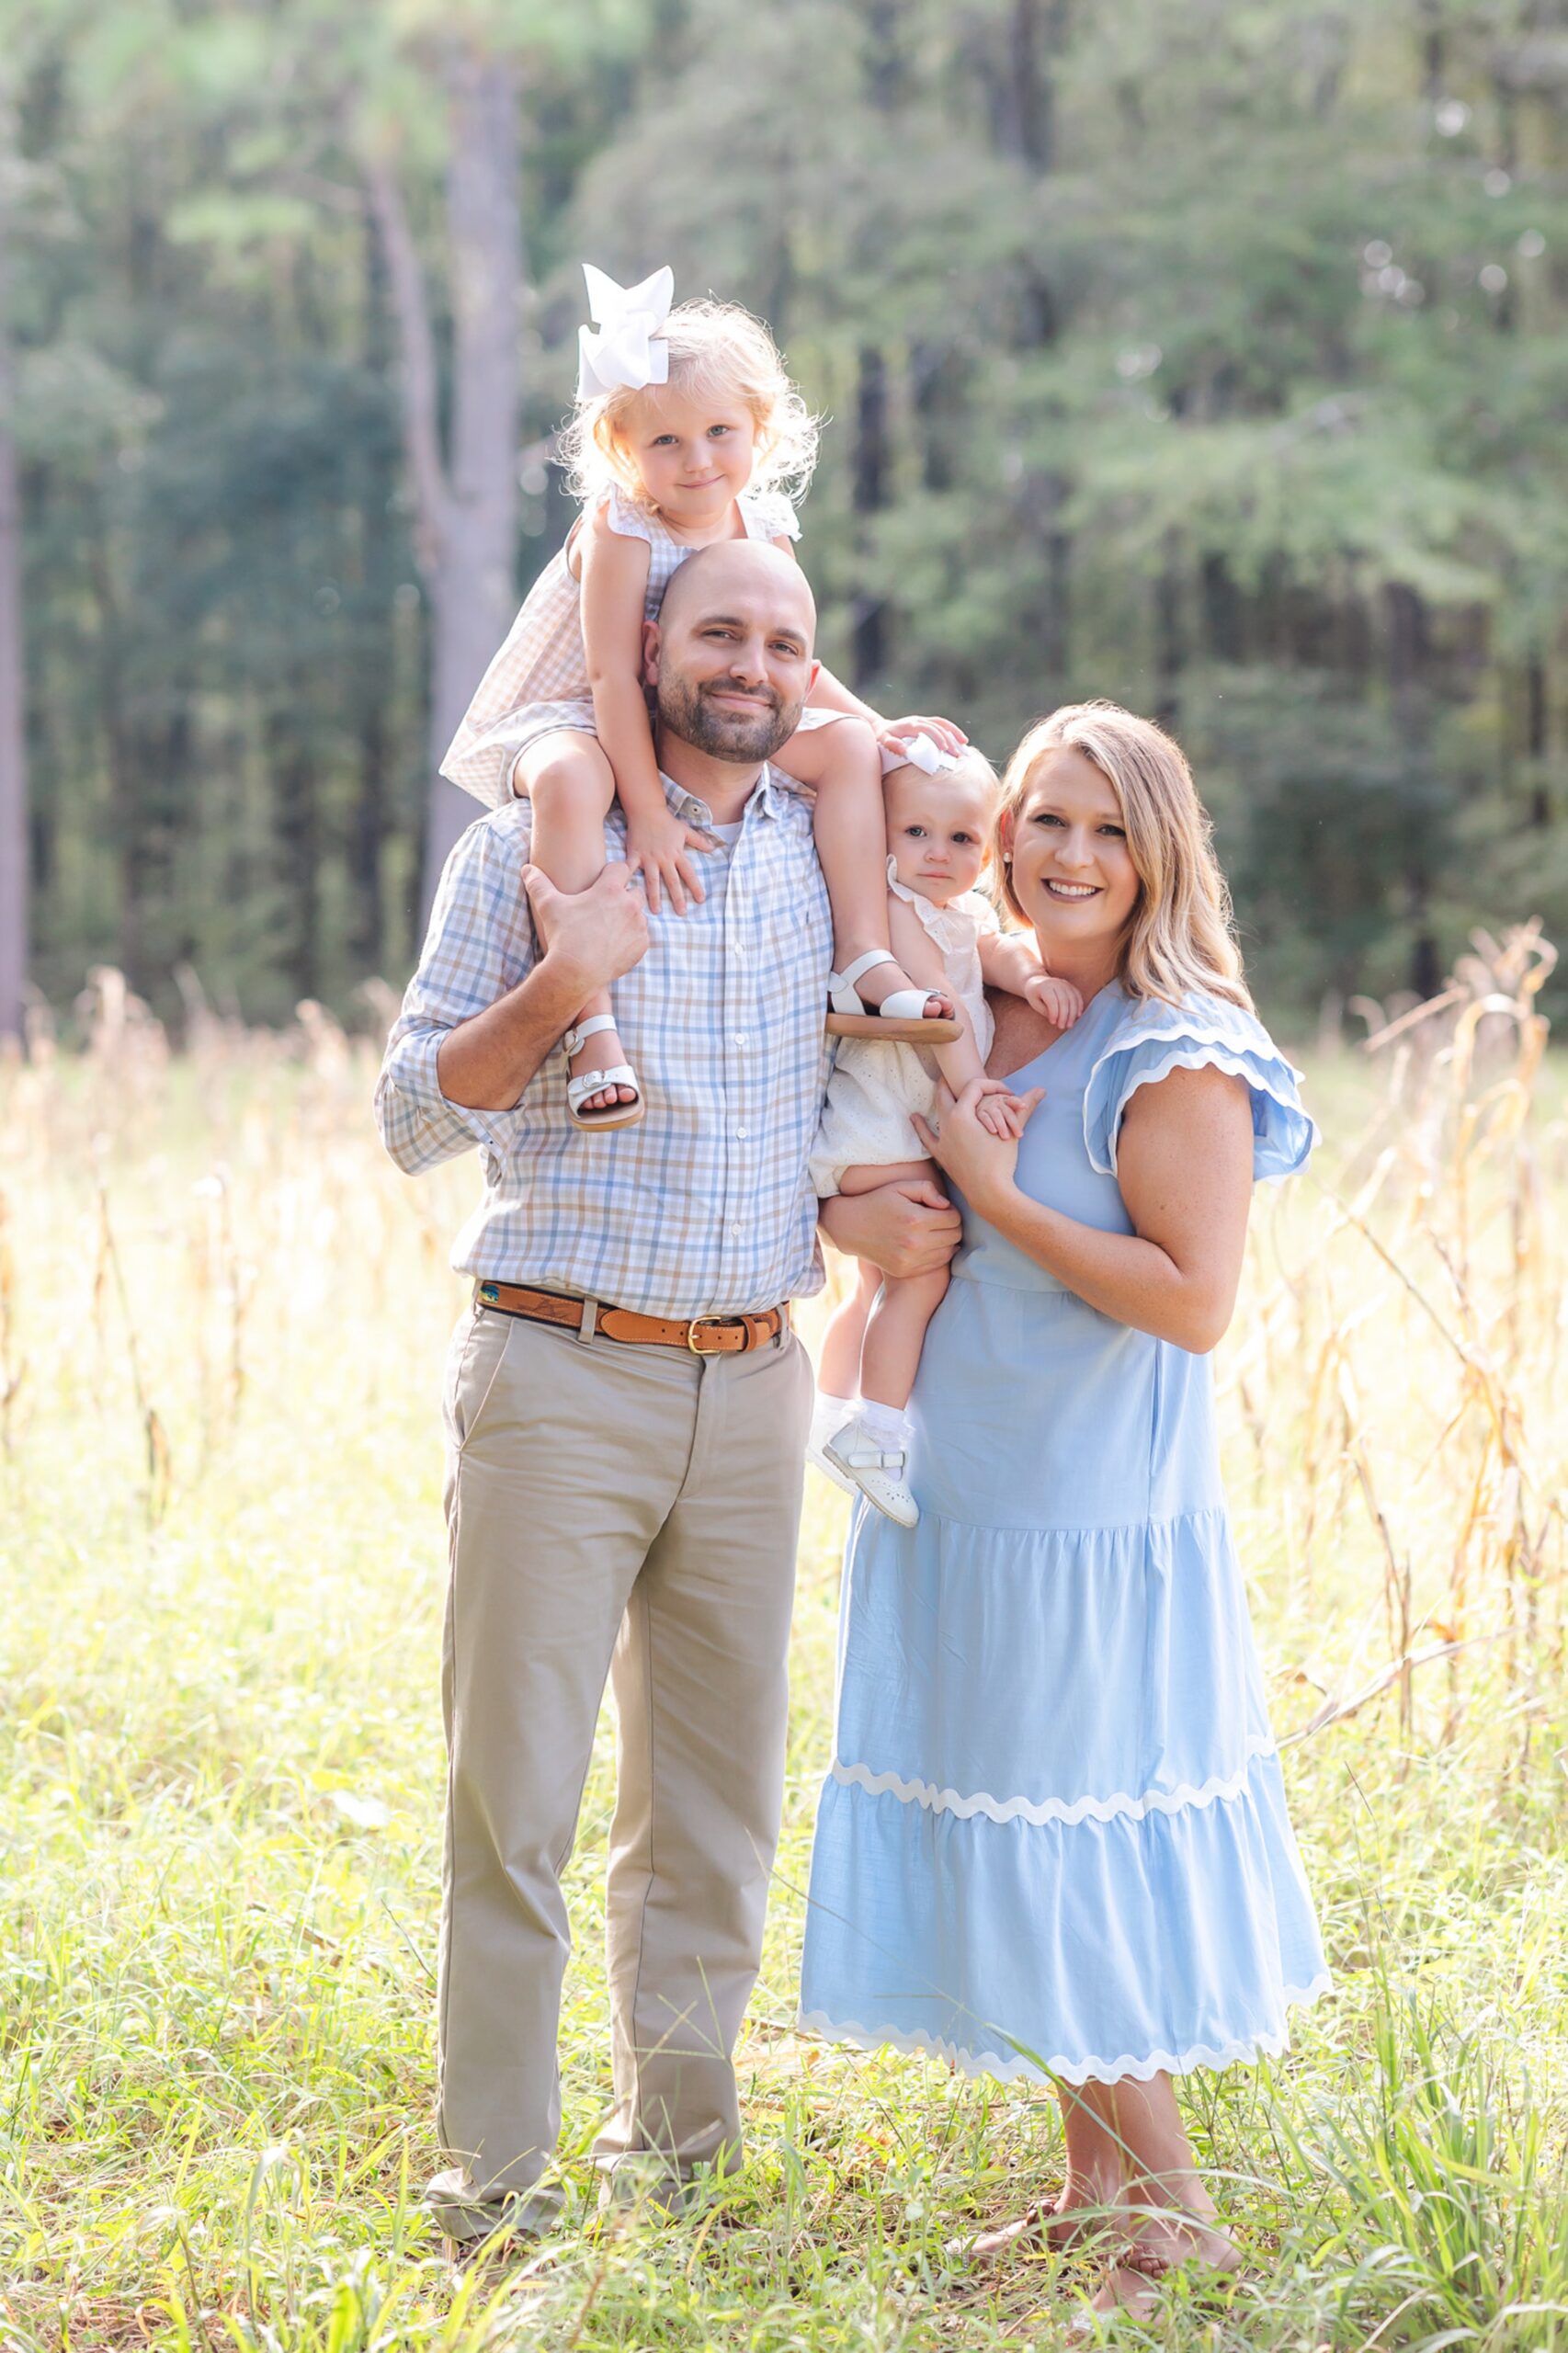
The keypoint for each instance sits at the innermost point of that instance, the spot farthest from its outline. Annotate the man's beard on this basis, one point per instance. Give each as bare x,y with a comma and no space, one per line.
687,710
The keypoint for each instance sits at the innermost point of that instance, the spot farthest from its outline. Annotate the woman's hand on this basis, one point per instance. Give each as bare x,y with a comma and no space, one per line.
656,847
981,1165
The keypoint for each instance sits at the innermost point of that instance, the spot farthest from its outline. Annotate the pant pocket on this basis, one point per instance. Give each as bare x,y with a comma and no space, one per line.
475,1355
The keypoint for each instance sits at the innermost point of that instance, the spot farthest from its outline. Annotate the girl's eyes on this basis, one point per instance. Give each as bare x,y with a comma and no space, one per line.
720,429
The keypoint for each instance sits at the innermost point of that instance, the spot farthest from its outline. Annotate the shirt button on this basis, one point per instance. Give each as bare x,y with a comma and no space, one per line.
740,1135
741,1037
737,1229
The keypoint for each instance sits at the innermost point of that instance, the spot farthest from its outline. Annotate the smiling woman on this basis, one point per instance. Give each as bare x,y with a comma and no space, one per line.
1054,1839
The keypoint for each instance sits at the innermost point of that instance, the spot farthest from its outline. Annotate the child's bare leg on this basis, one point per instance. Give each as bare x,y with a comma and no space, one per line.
844,768
889,1350
571,785
889,1353
838,1369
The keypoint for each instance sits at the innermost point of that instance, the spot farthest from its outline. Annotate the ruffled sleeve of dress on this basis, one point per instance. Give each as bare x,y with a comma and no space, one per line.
1153,1038
627,519
768,515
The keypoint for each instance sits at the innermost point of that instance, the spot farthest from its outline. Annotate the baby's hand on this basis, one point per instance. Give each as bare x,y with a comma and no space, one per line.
999,1111
1059,1001
893,735
657,847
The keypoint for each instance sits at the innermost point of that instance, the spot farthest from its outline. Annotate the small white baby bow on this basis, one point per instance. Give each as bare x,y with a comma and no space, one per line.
628,348
919,752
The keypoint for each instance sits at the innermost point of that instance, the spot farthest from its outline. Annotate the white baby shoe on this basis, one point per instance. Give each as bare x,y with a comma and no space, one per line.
874,1461
829,1415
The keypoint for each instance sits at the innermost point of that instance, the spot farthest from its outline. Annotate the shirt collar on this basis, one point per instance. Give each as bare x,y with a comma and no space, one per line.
767,799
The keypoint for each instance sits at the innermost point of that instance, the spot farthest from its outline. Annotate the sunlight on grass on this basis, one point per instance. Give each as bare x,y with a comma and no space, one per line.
221,1324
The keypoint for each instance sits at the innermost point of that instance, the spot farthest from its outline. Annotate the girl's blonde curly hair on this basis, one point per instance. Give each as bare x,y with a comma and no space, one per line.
717,350
1180,938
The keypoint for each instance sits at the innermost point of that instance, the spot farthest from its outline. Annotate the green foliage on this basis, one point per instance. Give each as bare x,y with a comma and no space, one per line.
1218,357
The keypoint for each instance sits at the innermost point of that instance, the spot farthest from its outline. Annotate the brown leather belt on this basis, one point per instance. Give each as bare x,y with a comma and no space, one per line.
705,1335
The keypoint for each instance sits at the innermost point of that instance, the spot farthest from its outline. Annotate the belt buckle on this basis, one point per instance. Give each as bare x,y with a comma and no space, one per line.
695,1325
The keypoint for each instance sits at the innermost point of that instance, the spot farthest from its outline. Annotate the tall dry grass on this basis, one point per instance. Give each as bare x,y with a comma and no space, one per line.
221,1319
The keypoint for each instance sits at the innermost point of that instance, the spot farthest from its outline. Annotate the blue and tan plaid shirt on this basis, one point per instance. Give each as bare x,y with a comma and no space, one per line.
703,1208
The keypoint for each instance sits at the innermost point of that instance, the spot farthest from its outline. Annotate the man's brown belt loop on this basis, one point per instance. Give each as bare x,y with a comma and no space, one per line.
704,1336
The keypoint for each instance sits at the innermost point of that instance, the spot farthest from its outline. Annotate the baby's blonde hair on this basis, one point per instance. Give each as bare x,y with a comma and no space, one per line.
716,349
1181,936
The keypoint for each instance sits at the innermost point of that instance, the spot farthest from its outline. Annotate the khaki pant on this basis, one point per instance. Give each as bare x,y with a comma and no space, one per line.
631,1511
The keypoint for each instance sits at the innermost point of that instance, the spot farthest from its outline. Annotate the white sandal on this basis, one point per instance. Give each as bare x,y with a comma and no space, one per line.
900,1016
876,1469
594,1082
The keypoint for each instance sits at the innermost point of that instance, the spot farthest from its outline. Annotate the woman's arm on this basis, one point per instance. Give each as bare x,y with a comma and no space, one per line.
1184,1163
615,582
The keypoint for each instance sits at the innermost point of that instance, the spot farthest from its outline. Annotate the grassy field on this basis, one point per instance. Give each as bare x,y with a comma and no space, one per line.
221,1324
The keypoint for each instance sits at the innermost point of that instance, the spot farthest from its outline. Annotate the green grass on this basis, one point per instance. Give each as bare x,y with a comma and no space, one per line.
221,1767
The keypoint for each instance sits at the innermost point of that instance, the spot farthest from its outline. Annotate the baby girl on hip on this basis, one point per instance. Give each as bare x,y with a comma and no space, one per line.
941,811
686,431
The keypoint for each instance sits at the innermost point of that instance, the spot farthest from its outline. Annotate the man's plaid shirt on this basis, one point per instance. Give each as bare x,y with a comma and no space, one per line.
703,1208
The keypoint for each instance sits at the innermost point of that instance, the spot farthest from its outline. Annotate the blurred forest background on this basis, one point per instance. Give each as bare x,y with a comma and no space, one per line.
1208,354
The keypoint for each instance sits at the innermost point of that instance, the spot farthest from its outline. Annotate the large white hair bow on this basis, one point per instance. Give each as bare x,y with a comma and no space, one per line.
628,349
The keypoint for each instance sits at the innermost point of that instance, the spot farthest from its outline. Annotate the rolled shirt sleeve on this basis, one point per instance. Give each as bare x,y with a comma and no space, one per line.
480,945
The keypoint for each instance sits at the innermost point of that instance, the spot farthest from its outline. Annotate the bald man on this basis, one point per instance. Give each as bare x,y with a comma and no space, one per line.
626,1406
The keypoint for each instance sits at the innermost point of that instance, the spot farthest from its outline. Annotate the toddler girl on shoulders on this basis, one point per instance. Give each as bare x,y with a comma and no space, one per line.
686,431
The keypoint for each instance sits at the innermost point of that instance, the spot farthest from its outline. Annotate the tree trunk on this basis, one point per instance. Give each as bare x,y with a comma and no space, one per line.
13,863
368,823
1407,650
297,835
465,502
1537,731
870,635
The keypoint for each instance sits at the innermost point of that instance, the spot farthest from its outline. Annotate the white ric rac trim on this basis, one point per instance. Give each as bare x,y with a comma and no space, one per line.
1120,1807
1010,2066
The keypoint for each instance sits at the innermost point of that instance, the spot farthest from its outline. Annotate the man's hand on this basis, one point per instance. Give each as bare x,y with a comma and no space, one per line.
591,936
909,1227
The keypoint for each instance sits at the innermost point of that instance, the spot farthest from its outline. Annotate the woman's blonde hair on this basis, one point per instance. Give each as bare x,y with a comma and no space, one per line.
717,350
1181,936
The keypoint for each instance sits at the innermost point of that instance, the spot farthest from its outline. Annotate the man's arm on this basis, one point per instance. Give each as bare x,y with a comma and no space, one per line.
590,938
909,1227
489,1000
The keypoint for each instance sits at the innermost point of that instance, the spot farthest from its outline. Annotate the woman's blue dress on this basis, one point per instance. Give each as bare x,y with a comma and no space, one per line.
1054,1837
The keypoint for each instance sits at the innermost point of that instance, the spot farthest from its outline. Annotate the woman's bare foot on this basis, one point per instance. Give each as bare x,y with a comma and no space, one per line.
1157,2248
1084,2208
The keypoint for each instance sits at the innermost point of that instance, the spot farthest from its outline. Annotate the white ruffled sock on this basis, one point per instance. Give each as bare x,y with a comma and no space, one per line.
888,1425
829,1415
